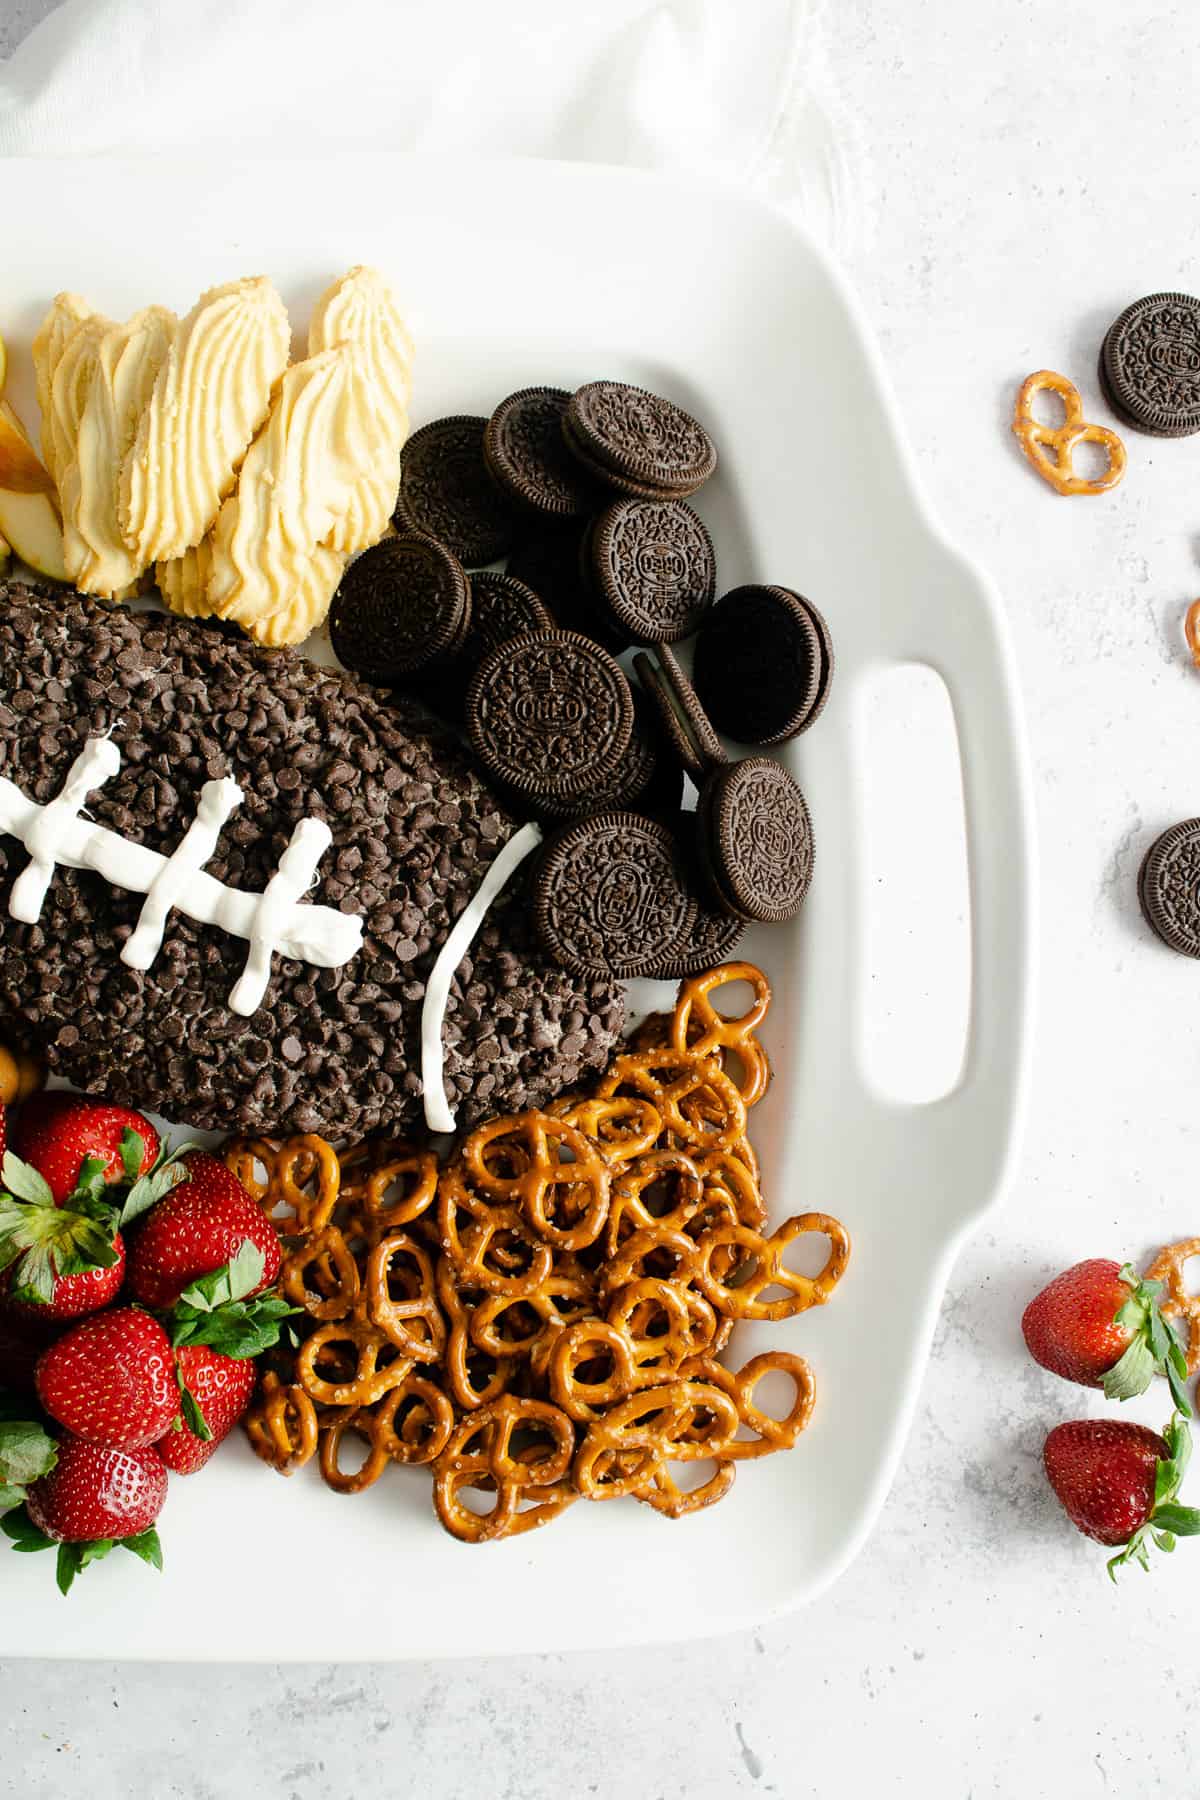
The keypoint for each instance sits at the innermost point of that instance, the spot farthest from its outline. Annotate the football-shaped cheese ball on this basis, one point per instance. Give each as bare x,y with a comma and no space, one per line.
414,831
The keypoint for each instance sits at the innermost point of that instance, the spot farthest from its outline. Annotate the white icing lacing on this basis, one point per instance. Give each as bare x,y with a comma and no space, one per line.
439,1115
272,923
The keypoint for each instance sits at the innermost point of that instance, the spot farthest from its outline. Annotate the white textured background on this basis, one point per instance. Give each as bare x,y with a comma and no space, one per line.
1036,167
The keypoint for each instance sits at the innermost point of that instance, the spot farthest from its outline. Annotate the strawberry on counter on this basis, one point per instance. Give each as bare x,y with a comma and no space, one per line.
1099,1324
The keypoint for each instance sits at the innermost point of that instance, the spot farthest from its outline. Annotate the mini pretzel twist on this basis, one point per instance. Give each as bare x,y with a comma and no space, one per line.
281,1424
394,1316
480,1449
698,1029
303,1177
681,1421
335,1288
1176,1302
374,1169
1051,448
770,1434
766,1268
365,1356
546,1167
698,1104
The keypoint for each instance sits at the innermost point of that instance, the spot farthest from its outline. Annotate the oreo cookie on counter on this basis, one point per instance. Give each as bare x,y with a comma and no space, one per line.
763,664
1150,365
447,493
1169,887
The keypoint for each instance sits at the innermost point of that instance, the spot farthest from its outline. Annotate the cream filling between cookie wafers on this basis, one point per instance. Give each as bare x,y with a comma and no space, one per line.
439,1115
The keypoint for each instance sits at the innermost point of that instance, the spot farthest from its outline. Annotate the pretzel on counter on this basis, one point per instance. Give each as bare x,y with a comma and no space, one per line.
1176,1302
1051,448
541,1319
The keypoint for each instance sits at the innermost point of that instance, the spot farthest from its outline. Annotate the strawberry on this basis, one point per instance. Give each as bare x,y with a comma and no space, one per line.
1118,1483
90,1500
71,1296
1098,1324
220,1387
198,1228
66,1223
58,1132
111,1379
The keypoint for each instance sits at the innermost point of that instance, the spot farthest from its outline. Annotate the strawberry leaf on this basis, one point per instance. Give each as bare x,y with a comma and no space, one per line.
27,1451
25,1535
1155,1345
149,1189
132,1150
146,1545
1133,1372
10,1497
1183,1521
46,1242
23,1180
193,1416
232,1281
241,1328
74,1558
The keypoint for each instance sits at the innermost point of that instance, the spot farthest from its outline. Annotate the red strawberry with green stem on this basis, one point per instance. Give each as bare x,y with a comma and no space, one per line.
65,1224
1099,1324
59,1132
91,1500
221,1387
197,1229
1118,1483
111,1379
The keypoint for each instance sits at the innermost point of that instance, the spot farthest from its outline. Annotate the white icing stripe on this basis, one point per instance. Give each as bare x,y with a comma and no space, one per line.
275,905
272,922
438,1114
218,799
51,825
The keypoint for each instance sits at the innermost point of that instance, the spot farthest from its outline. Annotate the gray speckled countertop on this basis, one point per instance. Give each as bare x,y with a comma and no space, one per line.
1036,168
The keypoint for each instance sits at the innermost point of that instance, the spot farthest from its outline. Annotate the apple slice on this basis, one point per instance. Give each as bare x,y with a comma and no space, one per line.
29,520
21,471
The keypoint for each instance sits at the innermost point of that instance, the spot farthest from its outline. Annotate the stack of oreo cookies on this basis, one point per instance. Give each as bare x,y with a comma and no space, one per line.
584,496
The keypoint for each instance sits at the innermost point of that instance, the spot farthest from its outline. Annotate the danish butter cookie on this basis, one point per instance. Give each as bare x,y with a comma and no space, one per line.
67,312
210,397
128,358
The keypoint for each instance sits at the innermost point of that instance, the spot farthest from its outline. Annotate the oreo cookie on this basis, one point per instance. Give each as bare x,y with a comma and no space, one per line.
1150,365
681,718
526,454
644,444
653,569
610,897
403,606
755,841
447,493
501,608
634,776
1169,887
763,664
550,714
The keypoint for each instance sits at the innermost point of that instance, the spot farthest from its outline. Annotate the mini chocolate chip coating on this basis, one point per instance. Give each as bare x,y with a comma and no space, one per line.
1150,365
610,897
414,832
1169,887
641,437
760,847
401,606
550,714
447,493
757,665
524,448
654,567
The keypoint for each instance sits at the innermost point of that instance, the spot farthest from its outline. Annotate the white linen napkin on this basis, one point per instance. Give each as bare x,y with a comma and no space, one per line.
737,88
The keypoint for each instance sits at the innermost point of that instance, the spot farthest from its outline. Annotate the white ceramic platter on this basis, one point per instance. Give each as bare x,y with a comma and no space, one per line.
526,273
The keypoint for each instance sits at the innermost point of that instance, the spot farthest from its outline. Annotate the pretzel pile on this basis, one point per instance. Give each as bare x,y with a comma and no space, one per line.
540,1320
